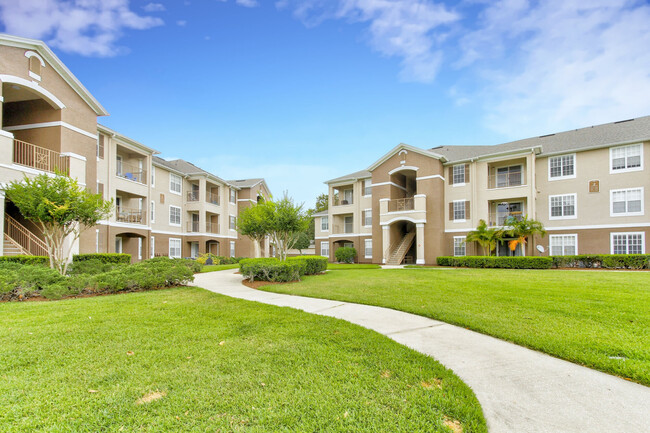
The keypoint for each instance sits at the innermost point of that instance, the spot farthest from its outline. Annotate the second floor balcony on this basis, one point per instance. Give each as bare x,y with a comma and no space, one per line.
131,172
501,219
401,204
211,227
40,158
133,216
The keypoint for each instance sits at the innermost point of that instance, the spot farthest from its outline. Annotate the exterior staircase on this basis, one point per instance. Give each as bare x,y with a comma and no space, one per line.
398,252
18,240
11,248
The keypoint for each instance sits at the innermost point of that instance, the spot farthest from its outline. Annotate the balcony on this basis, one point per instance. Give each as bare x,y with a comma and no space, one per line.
212,227
131,172
30,155
193,227
133,216
499,219
413,208
212,198
343,229
401,204
340,201
192,196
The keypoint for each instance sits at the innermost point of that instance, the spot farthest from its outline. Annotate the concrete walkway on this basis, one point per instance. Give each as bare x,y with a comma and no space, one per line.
520,390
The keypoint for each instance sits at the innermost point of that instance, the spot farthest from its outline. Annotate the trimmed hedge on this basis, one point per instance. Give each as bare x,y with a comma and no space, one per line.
497,262
113,258
26,260
313,265
272,269
345,254
605,261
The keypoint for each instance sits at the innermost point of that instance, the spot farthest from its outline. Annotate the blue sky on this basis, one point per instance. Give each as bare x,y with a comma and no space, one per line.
300,91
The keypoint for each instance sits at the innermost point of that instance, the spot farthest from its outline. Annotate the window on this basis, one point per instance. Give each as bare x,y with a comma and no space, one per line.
233,196
233,222
563,245
118,165
561,167
175,184
509,176
153,211
97,240
232,248
118,245
324,223
367,217
459,246
152,247
174,248
628,243
325,249
194,250
368,248
626,158
459,174
139,248
562,206
348,224
153,176
367,187
100,189
100,146
626,202
459,210
35,67
174,216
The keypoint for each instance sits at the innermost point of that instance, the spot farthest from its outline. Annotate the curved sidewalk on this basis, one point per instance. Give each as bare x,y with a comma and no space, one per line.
520,390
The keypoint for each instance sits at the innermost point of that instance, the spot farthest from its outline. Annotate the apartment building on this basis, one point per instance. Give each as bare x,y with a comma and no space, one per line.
48,124
589,187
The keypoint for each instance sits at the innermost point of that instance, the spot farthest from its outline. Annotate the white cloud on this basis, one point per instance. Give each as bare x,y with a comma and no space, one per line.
247,3
407,29
181,23
559,65
87,27
154,7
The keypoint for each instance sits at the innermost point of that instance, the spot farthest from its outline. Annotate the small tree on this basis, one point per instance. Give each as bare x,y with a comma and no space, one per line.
302,242
61,208
522,229
486,237
254,223
286,222
322,203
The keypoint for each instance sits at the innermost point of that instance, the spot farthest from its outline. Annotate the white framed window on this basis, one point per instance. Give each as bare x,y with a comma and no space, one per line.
153,211
153,176
194,250
367,217
627,243
100,146
562,206
459,210
118,165
325,249
626,202
174,216
563,245
175,183
233,196
367,187
175,248
459,174
139,248
233,222
460,246
562,167
152,247
118,245
97,240
324,223
368,248
348,224
232,248
626,158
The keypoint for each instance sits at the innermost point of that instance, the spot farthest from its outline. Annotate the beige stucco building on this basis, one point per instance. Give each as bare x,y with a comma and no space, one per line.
48,123
589,187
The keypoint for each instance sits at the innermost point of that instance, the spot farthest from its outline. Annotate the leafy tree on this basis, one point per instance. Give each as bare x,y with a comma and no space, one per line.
61,208
522,229
254,222
322,203
302,242
486,237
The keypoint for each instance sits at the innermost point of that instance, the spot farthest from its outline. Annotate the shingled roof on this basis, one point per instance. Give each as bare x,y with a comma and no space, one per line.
184,167
363,174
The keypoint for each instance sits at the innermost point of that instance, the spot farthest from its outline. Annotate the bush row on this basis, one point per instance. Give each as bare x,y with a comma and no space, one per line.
26,260
605,261
218,260
497,262
274,270
115,258
313,265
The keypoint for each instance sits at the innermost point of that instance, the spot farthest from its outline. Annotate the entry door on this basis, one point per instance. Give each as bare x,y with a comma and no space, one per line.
194,249
195,222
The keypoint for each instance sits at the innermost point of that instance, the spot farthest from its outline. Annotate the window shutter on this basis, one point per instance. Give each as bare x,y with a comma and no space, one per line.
451,211
466,173
450,175
162,198
467,209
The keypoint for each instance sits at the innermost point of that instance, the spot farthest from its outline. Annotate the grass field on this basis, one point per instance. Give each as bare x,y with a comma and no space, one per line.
342,266
185,359
214,268
600,319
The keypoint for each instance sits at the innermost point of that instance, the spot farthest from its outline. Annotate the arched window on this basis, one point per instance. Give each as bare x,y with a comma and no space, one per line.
35,64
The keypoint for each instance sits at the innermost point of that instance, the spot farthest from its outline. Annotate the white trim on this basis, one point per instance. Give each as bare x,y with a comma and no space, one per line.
453,216
611,202
400,212
453,181
125,225
50,125
409,148
28,170
180,216
205,235
433,176
389,183
2,99
624,170
349,235
180,182
548,163
464,243
575,236
419,261
48,96
600,226
414,221
404,167
180,247
384,199
75,156
611,240
152,247
34,75
365,248
564,217
246,199
30,54
6,134
420,195
321,237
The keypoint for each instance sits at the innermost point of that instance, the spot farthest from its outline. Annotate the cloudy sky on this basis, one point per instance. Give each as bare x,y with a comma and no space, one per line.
300,91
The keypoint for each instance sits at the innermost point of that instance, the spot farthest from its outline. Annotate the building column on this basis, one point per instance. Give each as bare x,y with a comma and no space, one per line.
385,242
2,221
2,100
419,242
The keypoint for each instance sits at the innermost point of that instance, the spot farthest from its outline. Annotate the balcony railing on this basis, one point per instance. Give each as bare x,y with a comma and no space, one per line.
212,198
193,226
131,172
338,201
401,204
505,180
37,157
212,227
133,216
499,219
192,196
346,228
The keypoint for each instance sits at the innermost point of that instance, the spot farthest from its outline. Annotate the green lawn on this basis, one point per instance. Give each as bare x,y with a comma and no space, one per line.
213,268
339,266
600,319
82,365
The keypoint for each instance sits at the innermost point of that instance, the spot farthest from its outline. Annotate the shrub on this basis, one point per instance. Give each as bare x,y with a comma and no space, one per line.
313,265
345,254
91,267
272,269
27,260
216,260
497,262
149,274
114,258
193,265
22,281
606,261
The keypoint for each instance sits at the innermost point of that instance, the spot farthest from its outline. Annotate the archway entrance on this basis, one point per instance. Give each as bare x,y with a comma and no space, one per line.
402,245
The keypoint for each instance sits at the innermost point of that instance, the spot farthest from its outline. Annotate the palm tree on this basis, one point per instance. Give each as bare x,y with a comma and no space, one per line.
486,237
522,229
